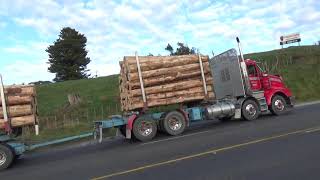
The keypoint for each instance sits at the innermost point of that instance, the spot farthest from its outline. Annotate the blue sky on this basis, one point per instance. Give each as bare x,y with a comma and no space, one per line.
118,28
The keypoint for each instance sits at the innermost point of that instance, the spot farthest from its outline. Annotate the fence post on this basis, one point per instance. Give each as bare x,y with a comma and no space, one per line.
71,119
88,115
64,120
47,122
95,113
102,112
55,121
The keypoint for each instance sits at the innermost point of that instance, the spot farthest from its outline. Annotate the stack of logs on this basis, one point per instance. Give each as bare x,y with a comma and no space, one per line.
166,80
21,106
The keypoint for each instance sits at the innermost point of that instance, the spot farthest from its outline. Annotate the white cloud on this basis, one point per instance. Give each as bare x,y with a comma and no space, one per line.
285,24
115,29
104,69
28,49
20,72
3,25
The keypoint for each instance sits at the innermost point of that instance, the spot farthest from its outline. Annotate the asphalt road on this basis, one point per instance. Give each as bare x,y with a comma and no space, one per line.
272,147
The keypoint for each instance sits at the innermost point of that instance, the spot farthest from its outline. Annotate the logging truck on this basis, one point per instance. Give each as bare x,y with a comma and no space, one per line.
224,87
241,90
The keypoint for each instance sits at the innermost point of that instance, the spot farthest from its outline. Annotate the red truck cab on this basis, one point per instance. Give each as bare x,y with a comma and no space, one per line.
277,95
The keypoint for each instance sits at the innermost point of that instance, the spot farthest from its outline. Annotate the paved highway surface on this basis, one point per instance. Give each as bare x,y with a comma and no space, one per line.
272,147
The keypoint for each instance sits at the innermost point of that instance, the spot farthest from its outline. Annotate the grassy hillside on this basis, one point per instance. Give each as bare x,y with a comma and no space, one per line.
94,93
99,99
299,66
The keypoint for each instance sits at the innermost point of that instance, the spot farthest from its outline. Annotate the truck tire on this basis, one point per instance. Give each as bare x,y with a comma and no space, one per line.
144,129
278,105
250,110
6,156
174,123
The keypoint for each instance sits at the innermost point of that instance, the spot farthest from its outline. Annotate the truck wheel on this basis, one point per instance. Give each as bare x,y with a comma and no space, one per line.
6,156
250,110
278,105
174,123
144,129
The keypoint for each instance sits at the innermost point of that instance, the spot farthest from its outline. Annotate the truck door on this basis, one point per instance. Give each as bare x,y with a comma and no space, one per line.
254,77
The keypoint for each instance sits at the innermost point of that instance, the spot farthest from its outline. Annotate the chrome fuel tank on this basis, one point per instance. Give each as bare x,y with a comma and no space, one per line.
219,110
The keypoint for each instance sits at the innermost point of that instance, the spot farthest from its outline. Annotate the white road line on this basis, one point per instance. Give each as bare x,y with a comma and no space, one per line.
307,103
313,130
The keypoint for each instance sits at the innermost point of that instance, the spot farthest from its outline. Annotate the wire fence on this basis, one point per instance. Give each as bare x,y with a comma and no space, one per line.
76,117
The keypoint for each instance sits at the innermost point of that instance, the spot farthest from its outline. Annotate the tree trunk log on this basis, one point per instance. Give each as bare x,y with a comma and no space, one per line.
168,78
168,101
20,121
169,71
18,110
18,100
163,59
165,63
171,87
20,90
182,93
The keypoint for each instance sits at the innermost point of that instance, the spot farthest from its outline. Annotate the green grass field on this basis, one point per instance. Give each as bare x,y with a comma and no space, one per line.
94,93
299,66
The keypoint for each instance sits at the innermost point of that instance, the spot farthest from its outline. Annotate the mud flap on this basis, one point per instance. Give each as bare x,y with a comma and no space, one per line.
128,133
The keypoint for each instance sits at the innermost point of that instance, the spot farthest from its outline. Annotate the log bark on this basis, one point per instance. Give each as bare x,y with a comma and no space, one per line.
18,100
171,87
165,59
168,101
169,71
187,92
20,121
165,63
18,110
168,78
20,90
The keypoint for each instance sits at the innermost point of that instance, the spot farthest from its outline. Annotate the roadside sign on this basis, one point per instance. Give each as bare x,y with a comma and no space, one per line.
291,38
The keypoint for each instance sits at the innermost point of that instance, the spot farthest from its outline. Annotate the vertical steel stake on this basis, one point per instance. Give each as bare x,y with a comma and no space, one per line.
141,81
4,106
202,75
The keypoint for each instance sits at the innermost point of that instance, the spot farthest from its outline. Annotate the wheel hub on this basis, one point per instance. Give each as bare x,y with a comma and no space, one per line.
174,124
145,128
251,110
3,158
279,105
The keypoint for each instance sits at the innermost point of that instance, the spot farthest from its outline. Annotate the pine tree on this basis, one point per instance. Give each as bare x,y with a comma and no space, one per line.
181,50
68,56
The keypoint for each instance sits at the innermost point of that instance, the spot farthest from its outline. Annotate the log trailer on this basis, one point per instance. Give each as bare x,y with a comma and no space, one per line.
241,88
10,147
